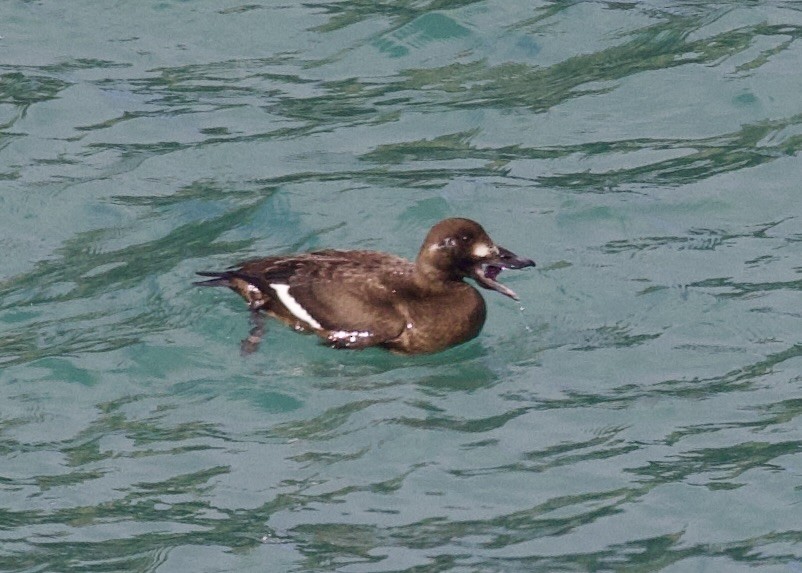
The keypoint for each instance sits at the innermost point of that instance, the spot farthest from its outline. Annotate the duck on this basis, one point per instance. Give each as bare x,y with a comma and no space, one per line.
356,299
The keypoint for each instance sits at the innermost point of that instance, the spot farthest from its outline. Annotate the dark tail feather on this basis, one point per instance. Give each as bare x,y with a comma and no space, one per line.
220,279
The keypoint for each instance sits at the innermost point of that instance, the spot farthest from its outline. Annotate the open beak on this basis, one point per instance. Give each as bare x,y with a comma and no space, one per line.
486,271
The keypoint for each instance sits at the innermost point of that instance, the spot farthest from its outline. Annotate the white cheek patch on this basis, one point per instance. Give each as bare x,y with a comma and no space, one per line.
299,312
482,250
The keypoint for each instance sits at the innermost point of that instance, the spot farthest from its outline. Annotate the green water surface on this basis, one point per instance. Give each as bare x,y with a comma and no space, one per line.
639,410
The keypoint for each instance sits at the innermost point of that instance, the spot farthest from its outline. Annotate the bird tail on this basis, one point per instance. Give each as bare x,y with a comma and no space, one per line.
218,279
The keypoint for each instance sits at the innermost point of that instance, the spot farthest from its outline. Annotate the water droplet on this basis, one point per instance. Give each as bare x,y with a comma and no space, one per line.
522,309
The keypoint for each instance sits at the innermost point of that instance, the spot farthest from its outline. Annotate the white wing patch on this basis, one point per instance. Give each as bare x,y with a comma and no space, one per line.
299,312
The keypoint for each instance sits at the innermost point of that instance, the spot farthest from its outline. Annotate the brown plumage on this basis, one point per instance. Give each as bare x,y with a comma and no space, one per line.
357,299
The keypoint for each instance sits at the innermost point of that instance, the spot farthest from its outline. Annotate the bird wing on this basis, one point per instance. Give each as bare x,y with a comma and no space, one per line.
346,296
